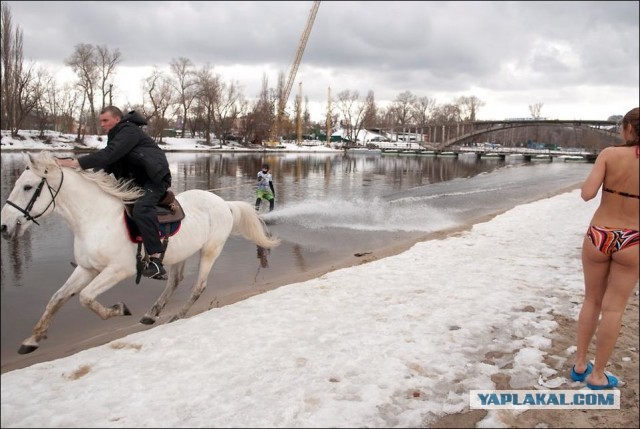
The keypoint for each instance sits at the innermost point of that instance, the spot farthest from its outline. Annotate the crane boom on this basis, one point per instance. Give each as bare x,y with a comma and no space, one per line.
299,51
282,102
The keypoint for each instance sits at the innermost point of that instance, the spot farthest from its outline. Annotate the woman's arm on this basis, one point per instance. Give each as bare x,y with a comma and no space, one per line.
595,178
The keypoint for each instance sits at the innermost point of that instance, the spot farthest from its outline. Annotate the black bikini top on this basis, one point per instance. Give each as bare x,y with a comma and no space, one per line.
622,194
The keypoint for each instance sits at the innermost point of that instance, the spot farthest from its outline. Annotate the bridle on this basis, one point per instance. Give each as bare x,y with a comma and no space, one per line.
32,201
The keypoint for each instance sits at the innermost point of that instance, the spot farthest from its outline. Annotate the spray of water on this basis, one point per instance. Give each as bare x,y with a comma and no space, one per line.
364,215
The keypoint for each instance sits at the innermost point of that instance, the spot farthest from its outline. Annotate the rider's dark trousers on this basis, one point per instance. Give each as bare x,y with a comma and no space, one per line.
146,217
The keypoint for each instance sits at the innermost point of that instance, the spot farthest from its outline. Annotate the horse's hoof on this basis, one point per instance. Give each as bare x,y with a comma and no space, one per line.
173,319
23,350
146,320
123,307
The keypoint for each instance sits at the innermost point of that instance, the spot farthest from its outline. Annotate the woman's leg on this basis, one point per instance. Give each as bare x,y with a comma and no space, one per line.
622,280
595,267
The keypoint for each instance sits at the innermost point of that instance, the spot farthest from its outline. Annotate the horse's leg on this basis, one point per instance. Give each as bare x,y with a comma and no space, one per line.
207,258
75,283
104,281
176,274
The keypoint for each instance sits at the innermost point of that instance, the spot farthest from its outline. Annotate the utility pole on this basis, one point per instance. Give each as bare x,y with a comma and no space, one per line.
329,117
299,114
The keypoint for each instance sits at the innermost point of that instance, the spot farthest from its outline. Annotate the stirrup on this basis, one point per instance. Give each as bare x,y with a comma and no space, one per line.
154,270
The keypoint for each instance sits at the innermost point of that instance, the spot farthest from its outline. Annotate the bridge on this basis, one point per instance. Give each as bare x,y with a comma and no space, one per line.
527,154
442,136
450,135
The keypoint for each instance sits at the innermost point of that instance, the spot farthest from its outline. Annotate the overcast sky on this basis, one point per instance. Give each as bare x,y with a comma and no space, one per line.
580,59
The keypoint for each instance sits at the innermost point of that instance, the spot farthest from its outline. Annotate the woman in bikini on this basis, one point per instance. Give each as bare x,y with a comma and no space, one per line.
609,253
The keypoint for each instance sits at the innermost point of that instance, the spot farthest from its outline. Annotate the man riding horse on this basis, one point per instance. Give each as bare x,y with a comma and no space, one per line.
131,154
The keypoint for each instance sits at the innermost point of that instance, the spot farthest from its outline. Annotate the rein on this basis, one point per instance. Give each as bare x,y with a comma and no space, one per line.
35,196
229,187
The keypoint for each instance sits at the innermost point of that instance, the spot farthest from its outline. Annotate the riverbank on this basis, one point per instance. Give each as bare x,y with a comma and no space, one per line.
623,363
321,232
53,141
400,338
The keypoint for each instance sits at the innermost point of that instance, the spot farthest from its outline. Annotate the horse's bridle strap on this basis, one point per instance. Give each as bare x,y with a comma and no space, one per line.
35,196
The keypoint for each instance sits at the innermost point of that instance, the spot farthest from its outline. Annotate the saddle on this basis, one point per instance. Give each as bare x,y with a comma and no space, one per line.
170,214
169,209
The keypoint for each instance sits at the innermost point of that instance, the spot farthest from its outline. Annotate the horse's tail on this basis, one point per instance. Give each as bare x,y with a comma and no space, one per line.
250,225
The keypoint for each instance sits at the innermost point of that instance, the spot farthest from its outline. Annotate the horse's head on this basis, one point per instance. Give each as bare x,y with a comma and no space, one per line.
33,195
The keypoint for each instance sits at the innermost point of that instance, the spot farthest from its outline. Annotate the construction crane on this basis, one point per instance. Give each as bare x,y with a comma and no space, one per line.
284,96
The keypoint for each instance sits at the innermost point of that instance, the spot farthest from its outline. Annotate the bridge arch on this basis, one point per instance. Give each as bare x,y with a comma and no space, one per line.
462,132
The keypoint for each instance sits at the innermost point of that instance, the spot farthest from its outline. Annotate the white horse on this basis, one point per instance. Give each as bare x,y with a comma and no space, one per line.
92,203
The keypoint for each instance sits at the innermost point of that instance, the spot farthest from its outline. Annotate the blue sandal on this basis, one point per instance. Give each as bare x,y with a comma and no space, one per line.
581,377
612,381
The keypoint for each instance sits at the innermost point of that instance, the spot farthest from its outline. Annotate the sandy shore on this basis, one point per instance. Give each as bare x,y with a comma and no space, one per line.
563,338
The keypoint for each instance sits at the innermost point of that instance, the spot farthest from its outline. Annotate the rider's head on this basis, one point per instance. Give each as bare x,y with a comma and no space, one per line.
109,117
265,167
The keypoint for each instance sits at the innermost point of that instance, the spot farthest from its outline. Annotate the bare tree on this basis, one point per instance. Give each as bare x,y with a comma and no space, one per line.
468,107
353,110
159,96
8,46
41,89
81,118
259,120
403,106
52,104
334,122
28,89
281,125
208,94
370,119
535,109
68,100
84,63
17,80
422,110
185,85
226,109
447,113
306,116
107,61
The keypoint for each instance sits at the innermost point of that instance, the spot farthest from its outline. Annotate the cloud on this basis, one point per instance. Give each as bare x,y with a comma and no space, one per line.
429,48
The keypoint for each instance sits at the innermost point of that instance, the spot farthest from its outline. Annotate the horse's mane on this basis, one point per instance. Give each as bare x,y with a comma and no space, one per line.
124,190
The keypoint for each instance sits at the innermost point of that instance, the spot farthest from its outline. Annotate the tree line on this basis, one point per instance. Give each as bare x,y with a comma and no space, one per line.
195,101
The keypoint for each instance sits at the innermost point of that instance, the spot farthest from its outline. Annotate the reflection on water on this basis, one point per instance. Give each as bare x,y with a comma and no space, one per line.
263,256
309,188
16,254
319,180
20,256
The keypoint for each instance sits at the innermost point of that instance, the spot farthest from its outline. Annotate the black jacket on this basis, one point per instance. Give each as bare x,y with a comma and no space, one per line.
130,153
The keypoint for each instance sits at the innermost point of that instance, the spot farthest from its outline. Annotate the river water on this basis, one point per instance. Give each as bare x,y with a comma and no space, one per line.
329,208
